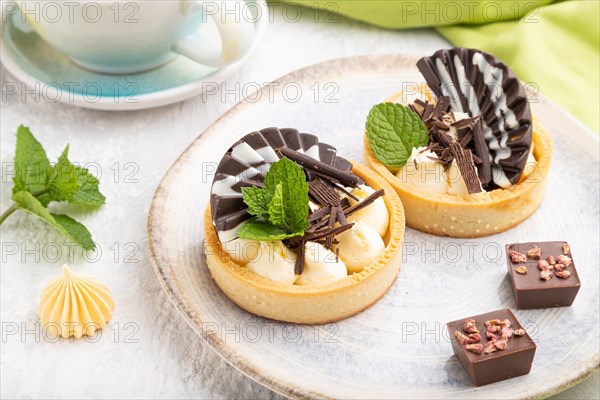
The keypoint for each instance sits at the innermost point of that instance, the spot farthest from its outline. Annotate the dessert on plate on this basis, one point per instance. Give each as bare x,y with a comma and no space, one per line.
492,347
296,233
542,274
462,151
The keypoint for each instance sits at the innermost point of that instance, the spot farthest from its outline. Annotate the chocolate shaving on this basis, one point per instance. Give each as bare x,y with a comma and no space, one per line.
421,103
368,200
345,202
343,190
313,165
349,211
299,266
441,106
341,217
464,140
461,123
447,156
440,124
441,137
466,166
320,213
322,193
331,224
483,152
427,112
314,236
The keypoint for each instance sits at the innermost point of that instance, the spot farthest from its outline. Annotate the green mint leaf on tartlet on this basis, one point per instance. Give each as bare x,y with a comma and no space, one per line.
72,229
277,210
281,207
265,231
294,190
37,183
257,201
393,131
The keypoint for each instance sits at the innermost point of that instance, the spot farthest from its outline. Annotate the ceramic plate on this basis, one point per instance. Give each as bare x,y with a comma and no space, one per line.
399,347
50,73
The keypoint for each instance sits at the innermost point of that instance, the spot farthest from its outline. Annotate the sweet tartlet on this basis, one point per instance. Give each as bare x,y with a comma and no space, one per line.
314,265
470,162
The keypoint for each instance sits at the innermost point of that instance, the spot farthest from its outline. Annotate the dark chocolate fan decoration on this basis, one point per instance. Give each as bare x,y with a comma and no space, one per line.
247,162
479,84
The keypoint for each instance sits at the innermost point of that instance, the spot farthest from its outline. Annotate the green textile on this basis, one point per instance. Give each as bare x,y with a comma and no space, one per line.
552,46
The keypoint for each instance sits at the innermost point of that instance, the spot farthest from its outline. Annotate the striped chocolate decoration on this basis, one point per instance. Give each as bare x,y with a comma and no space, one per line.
246,163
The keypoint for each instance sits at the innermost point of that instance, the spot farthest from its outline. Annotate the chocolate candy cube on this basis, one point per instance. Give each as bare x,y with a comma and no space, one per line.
504,350
547,277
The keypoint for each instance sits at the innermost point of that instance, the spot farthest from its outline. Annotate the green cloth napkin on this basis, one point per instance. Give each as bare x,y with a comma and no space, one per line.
555,47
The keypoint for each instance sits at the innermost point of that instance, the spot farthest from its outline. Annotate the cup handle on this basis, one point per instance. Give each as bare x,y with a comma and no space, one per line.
236,31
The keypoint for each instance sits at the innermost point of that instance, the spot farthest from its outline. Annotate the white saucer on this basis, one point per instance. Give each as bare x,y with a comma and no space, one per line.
52,75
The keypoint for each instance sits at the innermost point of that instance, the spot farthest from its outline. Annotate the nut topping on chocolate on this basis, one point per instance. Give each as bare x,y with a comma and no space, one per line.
534,253
475,348
517,257
462,338
562,259
519,332
493,328
474,338
508,332
543,264
546,274
559,267
566,249
562,274
490,347
551,260
469,326
521,270
492,322
502,343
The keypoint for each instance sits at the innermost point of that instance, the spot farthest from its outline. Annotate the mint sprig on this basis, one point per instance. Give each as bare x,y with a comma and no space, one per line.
393,130
281,207
38,183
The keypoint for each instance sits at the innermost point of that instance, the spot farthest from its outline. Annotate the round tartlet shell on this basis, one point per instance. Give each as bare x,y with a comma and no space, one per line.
478,215
312,304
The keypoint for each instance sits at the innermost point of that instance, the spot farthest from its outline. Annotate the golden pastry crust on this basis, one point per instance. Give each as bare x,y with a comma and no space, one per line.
313,304
477,215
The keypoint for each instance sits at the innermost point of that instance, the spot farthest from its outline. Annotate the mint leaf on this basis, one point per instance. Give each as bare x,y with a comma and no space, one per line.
63,223
257,230
31,163
74,230
276,208
37,183
393,130
281,208
62,180
257,201
87,193
294,191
